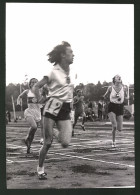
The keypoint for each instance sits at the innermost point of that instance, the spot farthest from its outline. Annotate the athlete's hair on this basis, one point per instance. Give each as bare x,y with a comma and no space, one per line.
29,84
113,79
45,90
55,54
78,90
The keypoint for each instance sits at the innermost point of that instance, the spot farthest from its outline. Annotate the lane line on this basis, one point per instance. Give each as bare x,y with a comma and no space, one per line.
9,161
107,162
121,152
24,161
71,156
83,158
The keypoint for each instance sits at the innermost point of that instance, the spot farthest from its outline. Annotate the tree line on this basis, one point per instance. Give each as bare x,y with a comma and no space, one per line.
91,91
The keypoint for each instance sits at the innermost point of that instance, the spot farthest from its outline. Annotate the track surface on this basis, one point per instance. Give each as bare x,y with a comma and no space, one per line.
89,161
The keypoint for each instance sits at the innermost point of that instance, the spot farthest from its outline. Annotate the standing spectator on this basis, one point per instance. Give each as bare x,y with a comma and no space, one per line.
104,110
57,109
8,115
100,107
90,113
6,119
90,105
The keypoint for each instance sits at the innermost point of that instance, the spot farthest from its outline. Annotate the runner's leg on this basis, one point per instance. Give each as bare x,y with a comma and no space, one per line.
83,120
41,126
48,137
75,121
112,117
119,122
32,130
65,131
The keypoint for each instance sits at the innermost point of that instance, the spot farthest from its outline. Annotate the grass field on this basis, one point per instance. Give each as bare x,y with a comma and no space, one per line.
89,161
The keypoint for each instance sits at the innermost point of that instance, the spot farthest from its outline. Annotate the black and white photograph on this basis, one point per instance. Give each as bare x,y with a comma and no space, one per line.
69,95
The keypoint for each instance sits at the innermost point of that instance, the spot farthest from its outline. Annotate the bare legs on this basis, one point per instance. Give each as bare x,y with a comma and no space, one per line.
41,126
64,136
48,137
75,121
117,124
32,130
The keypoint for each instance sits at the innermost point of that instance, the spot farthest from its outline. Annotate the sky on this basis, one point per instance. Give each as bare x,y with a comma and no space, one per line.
101,37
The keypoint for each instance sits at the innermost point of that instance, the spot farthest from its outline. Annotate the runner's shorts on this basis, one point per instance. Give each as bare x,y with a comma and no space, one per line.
36,114
64,113
116,108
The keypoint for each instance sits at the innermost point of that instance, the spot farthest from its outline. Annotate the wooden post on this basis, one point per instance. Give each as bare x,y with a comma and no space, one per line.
128,94
13,108
21,98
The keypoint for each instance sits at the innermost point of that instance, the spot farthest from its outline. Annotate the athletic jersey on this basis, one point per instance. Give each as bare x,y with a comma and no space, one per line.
33,109
32,101
79,106
59,85
117,97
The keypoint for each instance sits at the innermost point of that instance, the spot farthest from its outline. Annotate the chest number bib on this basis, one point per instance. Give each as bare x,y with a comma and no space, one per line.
53,106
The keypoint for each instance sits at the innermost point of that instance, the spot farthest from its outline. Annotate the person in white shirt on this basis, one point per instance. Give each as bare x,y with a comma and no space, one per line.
117,93
32,114
57,109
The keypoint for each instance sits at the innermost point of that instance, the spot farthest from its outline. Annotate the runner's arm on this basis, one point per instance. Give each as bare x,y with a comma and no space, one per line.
21,95
36,88
107,92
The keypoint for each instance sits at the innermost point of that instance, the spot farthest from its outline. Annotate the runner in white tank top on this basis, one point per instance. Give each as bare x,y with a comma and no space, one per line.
58,107
116,93
32,114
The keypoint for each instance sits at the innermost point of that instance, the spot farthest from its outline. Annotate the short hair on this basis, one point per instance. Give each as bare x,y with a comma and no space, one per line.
29,84
78,90
113,79
55,54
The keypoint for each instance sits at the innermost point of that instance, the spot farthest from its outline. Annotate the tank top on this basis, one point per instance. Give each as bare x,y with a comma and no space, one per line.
32,101
117,97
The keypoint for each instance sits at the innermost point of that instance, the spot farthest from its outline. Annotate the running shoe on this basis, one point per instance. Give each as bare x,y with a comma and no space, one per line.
83,127
41,141
42,176
113,145
119,130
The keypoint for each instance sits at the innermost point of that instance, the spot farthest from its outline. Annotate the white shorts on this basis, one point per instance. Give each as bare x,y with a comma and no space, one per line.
36,114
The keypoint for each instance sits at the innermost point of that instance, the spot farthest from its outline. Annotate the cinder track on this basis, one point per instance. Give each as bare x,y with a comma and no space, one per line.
89,161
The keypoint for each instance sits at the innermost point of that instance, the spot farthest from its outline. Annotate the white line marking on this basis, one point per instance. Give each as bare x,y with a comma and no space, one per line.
89,159
24,161
66,155
9,161
71,146
121,152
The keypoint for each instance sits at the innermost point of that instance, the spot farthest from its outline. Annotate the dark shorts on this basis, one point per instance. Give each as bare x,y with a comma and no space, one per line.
116,108
64,113
77,114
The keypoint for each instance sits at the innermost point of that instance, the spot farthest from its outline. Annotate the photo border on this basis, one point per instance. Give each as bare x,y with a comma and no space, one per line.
96,191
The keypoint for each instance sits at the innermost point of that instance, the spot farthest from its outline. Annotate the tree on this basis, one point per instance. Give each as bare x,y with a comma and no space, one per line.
14,90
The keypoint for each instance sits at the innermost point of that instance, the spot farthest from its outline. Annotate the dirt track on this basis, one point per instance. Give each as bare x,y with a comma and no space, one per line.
89,162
